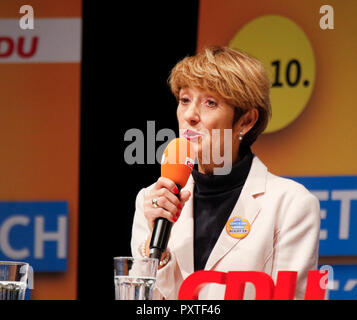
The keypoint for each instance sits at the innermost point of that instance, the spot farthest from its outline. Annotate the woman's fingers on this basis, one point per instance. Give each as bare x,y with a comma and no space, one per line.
163,182
167,206
153,214
168,200
184,196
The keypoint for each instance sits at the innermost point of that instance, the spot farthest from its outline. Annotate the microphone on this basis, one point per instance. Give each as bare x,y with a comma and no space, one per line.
177,163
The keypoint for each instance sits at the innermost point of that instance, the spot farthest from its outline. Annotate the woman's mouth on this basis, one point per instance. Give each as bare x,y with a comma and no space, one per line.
192,134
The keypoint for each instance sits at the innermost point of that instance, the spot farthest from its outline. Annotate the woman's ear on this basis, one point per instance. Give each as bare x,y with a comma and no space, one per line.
246,122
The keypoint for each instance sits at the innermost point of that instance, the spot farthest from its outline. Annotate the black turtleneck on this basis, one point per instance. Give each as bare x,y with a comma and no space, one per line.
214,199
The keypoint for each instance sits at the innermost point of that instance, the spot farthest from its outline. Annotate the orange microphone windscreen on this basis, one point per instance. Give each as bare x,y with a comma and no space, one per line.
178,160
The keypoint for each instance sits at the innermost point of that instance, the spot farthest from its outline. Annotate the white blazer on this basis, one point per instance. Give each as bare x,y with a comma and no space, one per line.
284,222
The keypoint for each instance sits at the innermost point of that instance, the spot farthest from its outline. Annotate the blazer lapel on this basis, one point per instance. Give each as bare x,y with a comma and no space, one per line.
182,241
247,206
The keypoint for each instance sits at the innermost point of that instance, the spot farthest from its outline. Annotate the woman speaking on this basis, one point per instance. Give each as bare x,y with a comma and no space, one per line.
222,89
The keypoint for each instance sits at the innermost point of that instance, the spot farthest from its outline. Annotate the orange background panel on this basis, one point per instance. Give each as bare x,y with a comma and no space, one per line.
322,140
42,8
39,138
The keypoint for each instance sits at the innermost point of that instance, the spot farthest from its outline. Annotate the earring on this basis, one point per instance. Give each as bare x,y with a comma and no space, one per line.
241,135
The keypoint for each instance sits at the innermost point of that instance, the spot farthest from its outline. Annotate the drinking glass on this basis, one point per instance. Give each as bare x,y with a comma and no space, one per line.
134,278
13,280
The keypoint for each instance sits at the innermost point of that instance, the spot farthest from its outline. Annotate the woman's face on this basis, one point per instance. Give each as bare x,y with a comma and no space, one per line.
203,118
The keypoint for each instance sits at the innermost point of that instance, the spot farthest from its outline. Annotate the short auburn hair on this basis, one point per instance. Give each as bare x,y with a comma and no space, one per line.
234,76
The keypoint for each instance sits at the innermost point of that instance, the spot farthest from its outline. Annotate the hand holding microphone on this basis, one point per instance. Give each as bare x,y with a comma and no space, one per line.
164,203
169,202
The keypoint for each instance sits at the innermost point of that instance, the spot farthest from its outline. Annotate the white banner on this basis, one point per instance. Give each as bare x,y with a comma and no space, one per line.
51,40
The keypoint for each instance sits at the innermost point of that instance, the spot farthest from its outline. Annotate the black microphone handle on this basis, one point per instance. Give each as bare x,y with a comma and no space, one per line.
160,235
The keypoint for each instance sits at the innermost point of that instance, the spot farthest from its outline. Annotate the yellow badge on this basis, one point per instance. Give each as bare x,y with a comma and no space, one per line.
238,227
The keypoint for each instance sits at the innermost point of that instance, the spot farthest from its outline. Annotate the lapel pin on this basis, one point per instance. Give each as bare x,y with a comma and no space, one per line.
238,227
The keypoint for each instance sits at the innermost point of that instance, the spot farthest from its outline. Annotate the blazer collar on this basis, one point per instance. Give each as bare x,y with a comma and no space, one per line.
247,206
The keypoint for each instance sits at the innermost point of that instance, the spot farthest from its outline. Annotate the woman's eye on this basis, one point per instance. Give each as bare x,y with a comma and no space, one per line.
211,103
184,100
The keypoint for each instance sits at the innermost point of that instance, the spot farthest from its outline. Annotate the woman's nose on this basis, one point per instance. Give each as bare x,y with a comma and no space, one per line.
192,115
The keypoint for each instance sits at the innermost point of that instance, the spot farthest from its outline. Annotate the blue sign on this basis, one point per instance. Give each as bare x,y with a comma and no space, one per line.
338,204
35,232
342,283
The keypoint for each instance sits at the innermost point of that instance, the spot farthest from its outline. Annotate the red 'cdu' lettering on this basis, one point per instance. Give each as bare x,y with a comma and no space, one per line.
193,284
20,49
236,280
6,47
264,285
285,285
314,289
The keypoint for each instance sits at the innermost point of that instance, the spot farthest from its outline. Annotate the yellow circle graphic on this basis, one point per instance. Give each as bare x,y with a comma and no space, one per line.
286,52
238,227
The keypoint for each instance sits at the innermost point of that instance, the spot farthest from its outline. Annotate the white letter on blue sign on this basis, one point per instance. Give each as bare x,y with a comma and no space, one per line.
41,236
4,237
345,196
